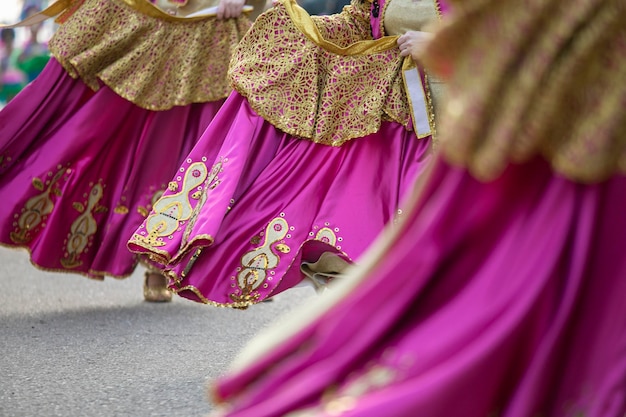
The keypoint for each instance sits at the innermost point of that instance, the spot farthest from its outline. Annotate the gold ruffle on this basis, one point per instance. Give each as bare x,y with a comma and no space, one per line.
316,78
148,57
551,82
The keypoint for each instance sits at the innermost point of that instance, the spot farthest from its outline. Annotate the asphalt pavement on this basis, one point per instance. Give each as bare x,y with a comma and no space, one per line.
71,346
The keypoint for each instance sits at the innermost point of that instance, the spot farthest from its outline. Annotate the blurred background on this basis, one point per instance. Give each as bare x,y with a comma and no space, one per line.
23,51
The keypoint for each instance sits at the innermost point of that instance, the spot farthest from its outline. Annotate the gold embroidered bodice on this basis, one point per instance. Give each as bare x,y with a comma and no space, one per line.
339,83
146,56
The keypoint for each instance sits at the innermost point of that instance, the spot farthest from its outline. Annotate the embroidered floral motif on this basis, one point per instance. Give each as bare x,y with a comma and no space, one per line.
211,183
144,211
120,209
256,263
83,228
172,210
326,235
36,209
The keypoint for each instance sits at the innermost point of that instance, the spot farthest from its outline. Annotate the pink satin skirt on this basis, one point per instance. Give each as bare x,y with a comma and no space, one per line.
250,204
80,170
503,298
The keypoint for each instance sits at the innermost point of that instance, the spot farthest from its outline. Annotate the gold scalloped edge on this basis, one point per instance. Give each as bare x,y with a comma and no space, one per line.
302,134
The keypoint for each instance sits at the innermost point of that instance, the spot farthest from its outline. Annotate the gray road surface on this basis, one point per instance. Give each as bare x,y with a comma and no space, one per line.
70,346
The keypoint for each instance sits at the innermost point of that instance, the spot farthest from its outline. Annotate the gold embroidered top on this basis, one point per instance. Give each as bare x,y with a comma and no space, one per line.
561,95
148,57
338,83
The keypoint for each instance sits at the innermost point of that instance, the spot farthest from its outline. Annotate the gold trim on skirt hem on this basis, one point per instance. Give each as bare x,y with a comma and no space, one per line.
176,280
92,274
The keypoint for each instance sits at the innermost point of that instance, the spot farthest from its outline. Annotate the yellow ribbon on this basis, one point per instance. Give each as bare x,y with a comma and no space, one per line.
302,20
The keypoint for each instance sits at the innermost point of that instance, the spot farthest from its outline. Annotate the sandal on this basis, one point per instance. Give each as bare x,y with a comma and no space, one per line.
156,293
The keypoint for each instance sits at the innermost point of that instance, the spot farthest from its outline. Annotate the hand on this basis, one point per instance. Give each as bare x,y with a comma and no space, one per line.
412,43
230,8
166,6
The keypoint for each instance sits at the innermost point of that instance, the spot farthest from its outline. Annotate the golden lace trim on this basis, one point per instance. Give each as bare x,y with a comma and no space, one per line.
561,95
381,22
326,92
146,56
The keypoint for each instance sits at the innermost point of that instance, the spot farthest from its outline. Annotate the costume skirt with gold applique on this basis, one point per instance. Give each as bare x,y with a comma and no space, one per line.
79,170
87,148
251,204
492,299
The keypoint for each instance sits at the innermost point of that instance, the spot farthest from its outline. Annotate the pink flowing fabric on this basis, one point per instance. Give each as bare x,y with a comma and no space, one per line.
503,298
270,202
79,170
